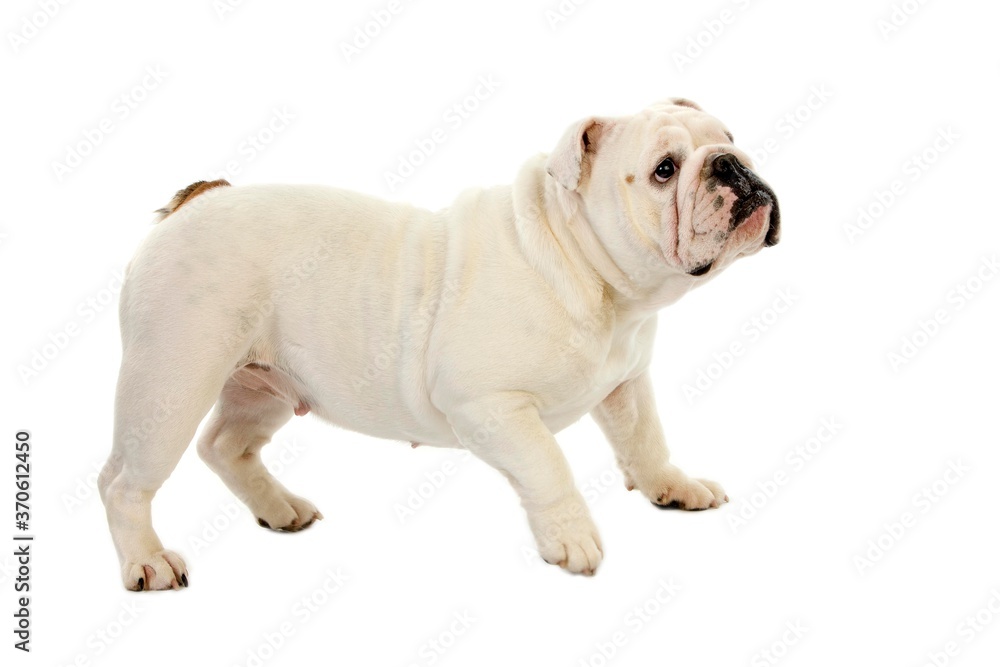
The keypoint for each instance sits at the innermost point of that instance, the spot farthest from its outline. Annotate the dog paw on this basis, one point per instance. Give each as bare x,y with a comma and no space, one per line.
567,537
156,572
673,488
288,513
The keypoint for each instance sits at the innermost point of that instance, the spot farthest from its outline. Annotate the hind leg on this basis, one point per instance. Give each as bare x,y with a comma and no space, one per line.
243,422
158,406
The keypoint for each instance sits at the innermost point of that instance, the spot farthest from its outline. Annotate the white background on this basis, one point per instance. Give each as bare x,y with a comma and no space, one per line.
885,97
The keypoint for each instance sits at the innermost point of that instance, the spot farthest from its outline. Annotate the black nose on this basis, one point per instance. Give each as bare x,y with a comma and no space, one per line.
725,164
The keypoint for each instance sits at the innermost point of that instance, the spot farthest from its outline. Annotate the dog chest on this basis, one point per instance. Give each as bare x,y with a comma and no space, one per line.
594,365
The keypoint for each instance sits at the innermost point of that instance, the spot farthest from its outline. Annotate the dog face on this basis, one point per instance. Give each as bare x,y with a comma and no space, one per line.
666,185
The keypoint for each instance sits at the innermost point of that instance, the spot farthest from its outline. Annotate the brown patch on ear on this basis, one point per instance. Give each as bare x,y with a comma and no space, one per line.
629,178
188,193
569,163
684,102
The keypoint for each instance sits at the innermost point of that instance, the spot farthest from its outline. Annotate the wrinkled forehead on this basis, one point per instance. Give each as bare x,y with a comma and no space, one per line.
678,120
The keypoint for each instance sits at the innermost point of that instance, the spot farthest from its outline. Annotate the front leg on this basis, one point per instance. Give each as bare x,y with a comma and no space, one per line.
629,420
506,431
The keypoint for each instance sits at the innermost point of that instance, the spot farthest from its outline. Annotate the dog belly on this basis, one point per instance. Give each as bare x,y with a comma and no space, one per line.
353,329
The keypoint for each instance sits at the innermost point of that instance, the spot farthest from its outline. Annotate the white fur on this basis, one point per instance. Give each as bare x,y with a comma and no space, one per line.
490,325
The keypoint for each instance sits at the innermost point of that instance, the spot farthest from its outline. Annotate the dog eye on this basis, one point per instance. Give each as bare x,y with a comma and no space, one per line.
664,170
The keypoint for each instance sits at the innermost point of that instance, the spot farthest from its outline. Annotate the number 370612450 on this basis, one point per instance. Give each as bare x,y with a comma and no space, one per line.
22,479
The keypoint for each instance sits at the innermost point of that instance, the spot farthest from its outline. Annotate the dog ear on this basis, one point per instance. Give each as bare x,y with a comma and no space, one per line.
569,163
683,102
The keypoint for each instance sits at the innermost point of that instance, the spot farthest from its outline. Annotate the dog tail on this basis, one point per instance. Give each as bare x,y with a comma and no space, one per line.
186,194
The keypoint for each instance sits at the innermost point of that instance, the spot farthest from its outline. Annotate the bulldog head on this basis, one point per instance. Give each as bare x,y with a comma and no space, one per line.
666,188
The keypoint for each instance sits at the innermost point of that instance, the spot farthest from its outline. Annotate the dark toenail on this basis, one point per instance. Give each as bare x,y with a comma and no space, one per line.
142,583
184,580
263,523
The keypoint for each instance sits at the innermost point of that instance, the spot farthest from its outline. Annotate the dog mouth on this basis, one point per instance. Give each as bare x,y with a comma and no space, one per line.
773,226
748,212
773,234
701,270
751,192
753,200
746,207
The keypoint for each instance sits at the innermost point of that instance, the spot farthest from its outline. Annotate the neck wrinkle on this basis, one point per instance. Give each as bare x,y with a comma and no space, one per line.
563,249
550,249
630,299
577,233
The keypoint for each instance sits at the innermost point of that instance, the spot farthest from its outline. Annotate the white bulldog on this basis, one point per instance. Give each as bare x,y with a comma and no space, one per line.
489,325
